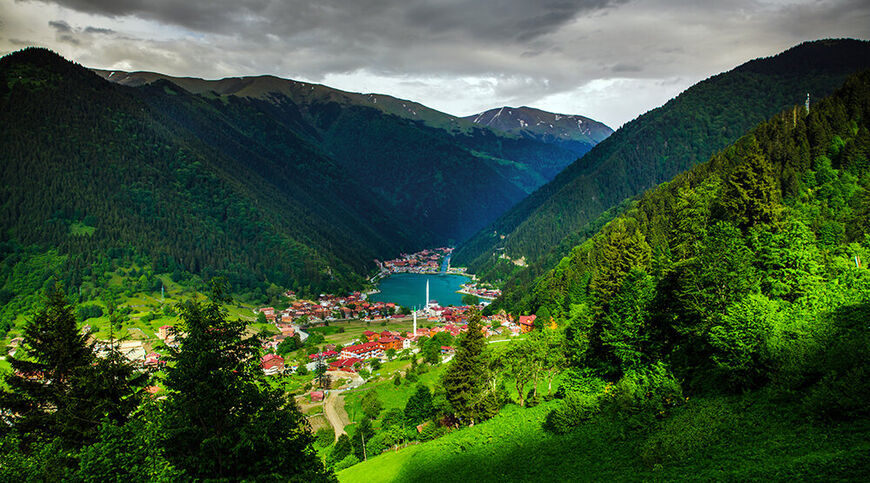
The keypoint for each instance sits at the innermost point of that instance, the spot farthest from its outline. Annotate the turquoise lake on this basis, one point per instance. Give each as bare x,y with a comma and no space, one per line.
409,289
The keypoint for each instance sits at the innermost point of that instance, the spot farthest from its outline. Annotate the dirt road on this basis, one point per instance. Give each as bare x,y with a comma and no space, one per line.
333,409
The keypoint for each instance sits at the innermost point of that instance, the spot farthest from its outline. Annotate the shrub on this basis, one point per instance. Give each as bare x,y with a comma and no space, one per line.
432,431
324,436
347,462
575,408
644,392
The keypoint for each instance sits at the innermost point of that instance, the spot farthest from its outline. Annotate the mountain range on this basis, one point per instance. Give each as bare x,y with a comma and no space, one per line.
262,180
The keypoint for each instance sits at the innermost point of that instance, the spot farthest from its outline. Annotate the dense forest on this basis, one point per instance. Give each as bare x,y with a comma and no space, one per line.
746,270
650,150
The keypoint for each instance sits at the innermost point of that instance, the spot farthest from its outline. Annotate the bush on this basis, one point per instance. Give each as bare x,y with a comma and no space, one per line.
646,392
347,462
571,411
432,431
324,437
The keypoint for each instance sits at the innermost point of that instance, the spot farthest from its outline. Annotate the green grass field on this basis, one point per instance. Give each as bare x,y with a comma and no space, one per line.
736,439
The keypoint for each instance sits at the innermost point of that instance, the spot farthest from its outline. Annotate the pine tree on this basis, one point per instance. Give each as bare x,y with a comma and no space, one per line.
42,381
419,407
222,421
751,194
463,380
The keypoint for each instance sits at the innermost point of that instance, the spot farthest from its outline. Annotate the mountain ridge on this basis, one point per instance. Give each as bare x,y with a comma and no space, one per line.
652,149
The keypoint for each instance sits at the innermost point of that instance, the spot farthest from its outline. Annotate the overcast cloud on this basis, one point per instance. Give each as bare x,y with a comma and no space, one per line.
610,60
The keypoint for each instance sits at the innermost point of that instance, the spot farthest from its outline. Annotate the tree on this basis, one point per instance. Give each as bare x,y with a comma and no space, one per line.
623,330
622,248
391,353
518,363
41,384
470,299
361,436
221,418
419,407
343,447
751,194
463,380
371,404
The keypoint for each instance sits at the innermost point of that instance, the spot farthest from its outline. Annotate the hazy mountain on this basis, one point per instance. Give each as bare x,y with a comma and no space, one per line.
573,132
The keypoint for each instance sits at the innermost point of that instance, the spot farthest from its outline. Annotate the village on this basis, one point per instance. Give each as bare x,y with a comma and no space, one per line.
333,333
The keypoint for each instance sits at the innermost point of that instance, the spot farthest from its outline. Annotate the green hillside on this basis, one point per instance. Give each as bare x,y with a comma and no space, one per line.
740,438
716,329
652,149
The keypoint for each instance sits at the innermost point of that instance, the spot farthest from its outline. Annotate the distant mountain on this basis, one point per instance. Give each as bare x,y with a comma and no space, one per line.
421,160
573,132
652,149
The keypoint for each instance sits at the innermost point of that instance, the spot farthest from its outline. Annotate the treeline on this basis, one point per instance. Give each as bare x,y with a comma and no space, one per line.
74,412
747,271
653,149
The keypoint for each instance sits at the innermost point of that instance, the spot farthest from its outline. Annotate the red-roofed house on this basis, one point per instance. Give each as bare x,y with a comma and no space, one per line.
527,323
272,364
362,351
164,331
344,364
390,343
371,336
316,396
325,354
153,360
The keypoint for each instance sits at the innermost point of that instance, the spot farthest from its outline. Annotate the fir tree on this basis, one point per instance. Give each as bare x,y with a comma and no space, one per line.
222,421
43,379
463,380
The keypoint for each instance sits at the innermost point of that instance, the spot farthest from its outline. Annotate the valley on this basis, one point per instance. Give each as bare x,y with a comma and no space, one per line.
262,279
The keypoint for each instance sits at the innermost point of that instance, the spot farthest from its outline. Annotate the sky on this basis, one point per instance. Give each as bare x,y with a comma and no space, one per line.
610,60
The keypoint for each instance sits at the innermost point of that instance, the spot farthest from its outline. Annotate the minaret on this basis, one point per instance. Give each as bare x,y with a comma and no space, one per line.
415,322
427,294
807,103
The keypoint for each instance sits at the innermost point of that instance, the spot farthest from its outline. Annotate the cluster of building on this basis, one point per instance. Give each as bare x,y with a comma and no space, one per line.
329,307
426,261
484,293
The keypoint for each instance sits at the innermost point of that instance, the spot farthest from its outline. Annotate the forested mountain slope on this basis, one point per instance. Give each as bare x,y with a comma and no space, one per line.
652,149
207,186
421,160
739,269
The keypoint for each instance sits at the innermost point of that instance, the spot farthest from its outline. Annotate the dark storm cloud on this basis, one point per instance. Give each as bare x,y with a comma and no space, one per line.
60,25
98,31
503,20
617,56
